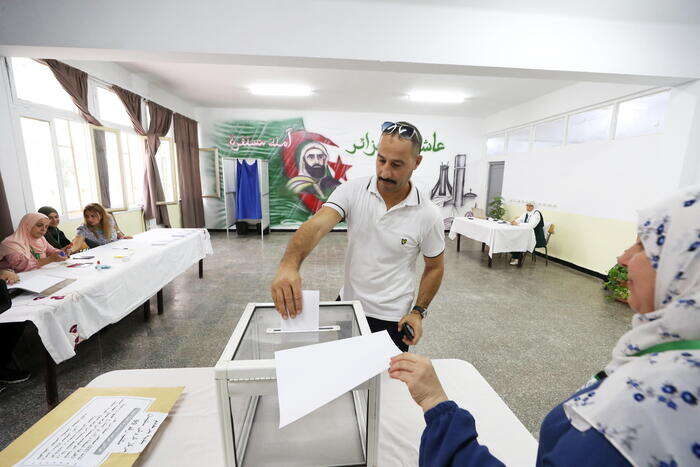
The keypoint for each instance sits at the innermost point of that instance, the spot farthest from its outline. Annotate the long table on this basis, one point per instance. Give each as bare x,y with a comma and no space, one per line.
139,269
191,432
499,237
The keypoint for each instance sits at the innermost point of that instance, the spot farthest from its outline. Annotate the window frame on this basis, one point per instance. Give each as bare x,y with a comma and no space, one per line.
530,128
632,98
117,133
174,169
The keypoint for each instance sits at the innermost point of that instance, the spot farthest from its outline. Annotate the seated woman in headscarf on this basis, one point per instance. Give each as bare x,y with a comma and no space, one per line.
99,228
27,249
642,409
55,236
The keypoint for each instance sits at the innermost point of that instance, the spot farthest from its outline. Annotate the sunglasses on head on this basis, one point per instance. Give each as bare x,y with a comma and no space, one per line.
403,131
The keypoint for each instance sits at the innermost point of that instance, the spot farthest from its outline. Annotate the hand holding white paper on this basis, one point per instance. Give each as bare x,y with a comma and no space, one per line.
308,319
310,377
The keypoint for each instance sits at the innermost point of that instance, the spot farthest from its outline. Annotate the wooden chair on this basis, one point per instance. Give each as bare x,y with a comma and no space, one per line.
550,231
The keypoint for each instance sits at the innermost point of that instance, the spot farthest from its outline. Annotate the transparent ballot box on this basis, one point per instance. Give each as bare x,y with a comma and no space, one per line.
341,433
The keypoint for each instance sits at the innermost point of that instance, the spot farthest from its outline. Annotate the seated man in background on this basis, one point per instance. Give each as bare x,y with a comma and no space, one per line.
99,228
26,248
534,219
55,236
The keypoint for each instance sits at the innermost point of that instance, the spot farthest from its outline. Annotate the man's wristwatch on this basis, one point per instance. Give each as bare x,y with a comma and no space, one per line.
421,311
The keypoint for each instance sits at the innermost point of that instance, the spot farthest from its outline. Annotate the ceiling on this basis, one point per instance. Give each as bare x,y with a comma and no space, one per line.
654,11
225,86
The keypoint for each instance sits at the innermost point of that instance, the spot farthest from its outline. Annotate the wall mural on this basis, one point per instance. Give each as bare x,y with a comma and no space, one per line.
305,167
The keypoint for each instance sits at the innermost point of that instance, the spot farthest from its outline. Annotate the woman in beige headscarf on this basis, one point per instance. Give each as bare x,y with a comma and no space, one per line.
26,248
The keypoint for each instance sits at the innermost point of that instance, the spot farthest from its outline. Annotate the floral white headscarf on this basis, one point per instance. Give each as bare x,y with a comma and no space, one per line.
648,407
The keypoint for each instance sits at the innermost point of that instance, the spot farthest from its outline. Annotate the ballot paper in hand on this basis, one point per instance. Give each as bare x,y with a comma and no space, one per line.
308,319
312,376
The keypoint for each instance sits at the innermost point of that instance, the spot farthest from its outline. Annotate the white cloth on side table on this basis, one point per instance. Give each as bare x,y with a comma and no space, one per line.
191,431
98,298
500,238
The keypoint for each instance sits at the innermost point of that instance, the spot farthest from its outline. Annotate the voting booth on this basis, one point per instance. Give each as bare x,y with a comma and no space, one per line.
342,432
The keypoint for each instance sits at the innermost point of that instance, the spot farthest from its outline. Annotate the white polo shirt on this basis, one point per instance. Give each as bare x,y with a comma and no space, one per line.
383,245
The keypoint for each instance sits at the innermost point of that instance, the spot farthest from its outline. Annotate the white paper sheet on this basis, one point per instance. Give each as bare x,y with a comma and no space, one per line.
105,425
308,319
35,281
310,377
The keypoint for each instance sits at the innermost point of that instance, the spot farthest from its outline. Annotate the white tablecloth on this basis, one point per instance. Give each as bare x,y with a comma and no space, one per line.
500,238
98,298
191,435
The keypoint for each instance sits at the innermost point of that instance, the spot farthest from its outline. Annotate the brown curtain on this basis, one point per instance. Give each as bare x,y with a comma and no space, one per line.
74,82
5,217
132,103
187,143
152,187
159,126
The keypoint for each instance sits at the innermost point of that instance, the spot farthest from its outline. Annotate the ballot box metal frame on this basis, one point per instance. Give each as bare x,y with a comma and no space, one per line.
257,377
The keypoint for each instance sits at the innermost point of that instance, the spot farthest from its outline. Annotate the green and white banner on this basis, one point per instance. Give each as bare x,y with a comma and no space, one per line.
305,167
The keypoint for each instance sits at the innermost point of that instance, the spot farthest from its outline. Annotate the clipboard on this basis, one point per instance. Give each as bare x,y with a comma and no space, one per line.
20,448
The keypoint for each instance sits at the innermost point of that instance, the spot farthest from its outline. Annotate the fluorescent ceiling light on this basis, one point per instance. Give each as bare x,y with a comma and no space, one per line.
276,89
440,97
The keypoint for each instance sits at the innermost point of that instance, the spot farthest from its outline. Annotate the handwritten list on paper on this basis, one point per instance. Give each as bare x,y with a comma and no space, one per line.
104,425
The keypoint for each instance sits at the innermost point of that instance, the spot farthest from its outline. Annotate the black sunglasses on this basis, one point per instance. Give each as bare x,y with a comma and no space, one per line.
404,131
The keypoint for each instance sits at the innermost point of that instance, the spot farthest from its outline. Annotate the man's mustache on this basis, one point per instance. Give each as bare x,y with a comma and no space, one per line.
387,180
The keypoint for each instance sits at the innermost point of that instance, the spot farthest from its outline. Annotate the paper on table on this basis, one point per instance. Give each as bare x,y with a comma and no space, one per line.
105,425
308,319
310,377
33,281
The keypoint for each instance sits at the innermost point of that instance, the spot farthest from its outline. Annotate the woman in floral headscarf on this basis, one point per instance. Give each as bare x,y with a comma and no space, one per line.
643,408
27,249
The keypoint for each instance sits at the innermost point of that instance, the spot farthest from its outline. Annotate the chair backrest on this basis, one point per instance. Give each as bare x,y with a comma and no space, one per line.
550,231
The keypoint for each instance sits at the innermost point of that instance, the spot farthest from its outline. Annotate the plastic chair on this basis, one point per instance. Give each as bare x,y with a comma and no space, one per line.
550,231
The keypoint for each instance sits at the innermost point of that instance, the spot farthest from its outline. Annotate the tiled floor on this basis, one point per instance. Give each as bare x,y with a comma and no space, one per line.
536,333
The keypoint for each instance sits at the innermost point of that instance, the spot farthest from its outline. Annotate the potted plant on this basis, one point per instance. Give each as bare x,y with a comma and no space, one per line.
496,209
617,284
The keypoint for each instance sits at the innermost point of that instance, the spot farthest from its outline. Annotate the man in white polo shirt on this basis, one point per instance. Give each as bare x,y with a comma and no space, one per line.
390,223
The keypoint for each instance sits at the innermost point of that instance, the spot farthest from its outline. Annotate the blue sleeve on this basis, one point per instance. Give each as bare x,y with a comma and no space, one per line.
449,439
562,444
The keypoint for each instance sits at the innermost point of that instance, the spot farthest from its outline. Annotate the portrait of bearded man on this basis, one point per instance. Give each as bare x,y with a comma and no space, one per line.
314,176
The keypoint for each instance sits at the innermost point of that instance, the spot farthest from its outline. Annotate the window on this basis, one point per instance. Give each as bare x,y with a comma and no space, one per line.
590,125
642,116
61,171
108,154
111,108
133,155
495,145
167,169
519,140
36,83
548,134
77,166
38,147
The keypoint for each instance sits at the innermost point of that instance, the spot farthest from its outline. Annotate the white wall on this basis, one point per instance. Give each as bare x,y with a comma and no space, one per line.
567,39
607,179
11,146
460,135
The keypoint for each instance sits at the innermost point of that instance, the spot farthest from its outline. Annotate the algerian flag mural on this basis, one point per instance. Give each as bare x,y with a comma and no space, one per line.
306,166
